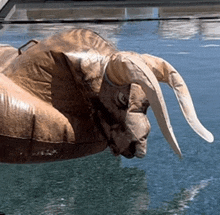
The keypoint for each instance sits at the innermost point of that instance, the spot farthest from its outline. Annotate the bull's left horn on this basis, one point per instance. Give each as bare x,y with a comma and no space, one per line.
126,68
168,74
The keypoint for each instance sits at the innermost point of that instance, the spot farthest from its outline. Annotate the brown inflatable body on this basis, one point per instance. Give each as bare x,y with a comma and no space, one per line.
74,94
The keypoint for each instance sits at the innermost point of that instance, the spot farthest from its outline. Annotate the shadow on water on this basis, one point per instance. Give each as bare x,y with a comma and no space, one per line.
92,185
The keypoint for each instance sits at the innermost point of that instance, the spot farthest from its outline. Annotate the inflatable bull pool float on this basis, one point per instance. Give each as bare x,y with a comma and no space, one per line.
74,94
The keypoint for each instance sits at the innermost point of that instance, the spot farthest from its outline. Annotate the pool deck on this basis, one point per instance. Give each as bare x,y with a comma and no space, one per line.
6,6
3,3
114,2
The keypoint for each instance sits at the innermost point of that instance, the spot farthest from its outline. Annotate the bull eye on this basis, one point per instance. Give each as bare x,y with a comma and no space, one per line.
122,100
145,105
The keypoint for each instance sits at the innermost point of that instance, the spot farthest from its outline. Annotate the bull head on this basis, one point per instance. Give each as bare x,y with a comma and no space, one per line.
130,86
71,94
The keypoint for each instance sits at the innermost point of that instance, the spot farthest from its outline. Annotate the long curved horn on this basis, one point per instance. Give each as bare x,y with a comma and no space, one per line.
125,68
168,74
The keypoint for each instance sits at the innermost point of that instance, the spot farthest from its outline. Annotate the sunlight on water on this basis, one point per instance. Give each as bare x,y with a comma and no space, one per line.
182,200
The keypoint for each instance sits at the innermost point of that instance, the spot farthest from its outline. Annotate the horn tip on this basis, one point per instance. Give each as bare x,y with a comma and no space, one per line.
180,155
207,136
178,152
210,138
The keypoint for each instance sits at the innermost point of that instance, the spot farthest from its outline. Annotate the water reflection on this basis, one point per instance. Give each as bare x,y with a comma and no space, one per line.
93,185
17,35
179,29
190,28
208,30
211,29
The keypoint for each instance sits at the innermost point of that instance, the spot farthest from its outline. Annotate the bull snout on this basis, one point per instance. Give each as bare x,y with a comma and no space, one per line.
139,127
141,149
130,151
136,149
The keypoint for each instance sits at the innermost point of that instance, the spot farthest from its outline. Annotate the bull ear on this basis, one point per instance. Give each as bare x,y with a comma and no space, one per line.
166,73
90,63
126,68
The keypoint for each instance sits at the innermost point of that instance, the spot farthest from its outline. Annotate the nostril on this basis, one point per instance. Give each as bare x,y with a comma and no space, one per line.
132,147
130,151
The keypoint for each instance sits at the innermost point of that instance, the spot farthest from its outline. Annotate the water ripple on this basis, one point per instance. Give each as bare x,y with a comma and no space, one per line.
182,199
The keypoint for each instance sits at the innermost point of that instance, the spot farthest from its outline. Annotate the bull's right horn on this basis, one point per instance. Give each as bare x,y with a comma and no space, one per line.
126,68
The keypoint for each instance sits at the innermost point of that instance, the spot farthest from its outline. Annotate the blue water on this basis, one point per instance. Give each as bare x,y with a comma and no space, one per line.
160,183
